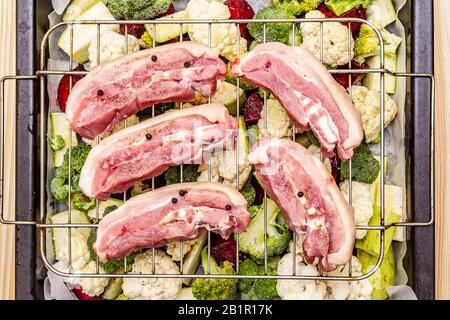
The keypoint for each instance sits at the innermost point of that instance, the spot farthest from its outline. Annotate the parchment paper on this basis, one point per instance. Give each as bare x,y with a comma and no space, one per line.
55,287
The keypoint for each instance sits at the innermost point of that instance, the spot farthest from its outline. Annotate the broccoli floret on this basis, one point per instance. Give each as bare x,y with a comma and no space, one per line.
190,174
138,9
82,202
59,189
59,185
342,6
110,266
159,109
215,289
278,234
312,138
365,167
249,193
109,209
297,7
258,289
280,32
242,83
57,143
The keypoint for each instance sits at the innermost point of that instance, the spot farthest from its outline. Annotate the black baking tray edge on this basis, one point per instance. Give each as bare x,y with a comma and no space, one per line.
422,61
30,26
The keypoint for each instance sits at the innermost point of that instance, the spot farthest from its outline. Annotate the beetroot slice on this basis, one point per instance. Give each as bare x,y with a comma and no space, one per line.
223,249
64,87
136,30
240,9
357,12
342,78
253,107
83,296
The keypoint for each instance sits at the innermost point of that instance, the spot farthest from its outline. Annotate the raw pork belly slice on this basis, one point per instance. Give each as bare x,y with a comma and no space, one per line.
113,91
309,198
312,98
175,212
147,149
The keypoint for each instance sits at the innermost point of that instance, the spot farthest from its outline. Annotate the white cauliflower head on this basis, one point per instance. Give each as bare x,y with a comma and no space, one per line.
80,251
368,102
152,288
173,248
335,40
278,123
93,286
349,290
361,201
223,36
299,289
112,46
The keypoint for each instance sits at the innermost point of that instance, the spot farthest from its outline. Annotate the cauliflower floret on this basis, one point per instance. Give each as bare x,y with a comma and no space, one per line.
112,46
80,251
278,124
361,202
368,102
173,248
299,289
152,288
223,36
131,121
335,40
316,152
351,290
223,168
93,286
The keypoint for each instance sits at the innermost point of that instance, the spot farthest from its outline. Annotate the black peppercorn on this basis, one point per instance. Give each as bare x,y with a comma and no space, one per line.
148,136
100,92
187,64
300,194
154,58
228,207
174,200
182,193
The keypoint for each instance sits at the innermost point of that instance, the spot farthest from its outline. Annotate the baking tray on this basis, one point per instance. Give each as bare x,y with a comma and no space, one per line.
32,23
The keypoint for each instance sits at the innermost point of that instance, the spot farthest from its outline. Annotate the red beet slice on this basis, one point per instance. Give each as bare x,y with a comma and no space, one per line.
83,296
64,87
240,9
136,30
223,249
252,108
358,12
342,78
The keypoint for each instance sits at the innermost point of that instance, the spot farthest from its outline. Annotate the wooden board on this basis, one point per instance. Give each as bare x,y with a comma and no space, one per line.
7,67
442,72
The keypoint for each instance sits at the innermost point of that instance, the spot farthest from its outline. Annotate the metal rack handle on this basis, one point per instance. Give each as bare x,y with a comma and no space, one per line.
3,220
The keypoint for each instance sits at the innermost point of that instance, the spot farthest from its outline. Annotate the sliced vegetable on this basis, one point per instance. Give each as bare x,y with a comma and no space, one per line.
253,108
76,8
383,277
192,258
358,12
372,80
60,127
340,7
166,32
113,289
64,87
83,34
104,207
382,11
240,9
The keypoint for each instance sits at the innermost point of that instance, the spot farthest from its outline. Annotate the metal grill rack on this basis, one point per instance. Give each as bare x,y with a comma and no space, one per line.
44,227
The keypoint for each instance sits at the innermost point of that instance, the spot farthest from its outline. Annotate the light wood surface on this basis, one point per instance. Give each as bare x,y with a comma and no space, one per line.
8,66
442,49
442,72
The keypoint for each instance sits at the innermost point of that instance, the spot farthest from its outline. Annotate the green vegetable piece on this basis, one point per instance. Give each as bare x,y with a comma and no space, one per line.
57,143
215,289
109,209
122,297
278,234
297,7
365,167
242,83
82,202
138,9
190,174
59,189
113,265
258,289
274,31
393,213
249,193
113,290
342,6
312,138
383,277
